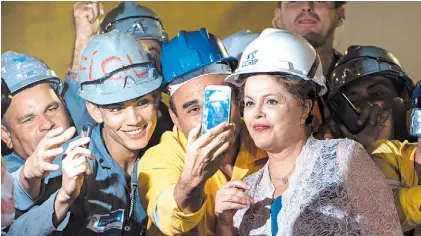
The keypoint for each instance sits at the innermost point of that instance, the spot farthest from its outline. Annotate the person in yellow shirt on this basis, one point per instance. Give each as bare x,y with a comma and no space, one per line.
400,162
179,178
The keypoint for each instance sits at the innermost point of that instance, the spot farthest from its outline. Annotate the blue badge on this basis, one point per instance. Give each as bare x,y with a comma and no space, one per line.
102,223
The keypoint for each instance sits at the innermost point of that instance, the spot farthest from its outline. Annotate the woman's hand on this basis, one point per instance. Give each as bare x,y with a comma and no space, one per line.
229,198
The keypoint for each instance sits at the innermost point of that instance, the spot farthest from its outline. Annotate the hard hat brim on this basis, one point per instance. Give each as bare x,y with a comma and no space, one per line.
236,81
38,79
126,94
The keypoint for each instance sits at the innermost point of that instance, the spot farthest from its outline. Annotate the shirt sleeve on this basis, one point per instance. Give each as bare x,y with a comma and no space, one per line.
7,199
369,195
407,198
158,176
23,201
38,220
75,104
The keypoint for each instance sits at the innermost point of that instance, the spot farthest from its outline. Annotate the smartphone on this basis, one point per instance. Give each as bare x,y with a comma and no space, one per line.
216,106
415,128
344,112
87,130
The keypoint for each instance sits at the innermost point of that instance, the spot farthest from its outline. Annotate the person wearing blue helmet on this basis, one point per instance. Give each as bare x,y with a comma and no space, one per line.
122,90
35,123
179,177
127,17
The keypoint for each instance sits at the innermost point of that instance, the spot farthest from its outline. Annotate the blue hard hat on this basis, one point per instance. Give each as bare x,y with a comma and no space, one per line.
132,18
116,67
190,51
20,70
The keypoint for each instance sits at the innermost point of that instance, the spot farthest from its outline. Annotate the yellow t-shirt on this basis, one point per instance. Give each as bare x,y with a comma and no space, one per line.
396,160
159,170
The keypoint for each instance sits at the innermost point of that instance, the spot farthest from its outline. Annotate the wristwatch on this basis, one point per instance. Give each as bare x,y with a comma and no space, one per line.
72,74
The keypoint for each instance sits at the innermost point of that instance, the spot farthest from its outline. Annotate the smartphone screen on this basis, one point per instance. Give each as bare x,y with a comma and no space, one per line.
216,106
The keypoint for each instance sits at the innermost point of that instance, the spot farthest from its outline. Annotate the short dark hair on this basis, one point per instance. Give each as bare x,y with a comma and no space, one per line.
172,106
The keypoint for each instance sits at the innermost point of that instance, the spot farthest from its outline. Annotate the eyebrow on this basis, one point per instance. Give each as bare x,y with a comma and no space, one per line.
379,83
52,104
122,104
190,103
25,116
267,95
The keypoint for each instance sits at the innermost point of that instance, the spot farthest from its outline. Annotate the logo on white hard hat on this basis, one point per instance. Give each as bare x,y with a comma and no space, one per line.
250,59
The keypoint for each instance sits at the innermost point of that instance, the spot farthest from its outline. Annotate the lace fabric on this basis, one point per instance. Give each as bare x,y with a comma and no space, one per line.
336,189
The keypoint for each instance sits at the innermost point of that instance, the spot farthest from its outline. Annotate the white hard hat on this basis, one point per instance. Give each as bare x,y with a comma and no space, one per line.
236,43
280,51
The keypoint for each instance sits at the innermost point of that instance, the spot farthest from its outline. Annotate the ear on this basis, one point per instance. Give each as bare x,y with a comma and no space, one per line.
6,137
174,119
94,112
340,14
307,106
277,20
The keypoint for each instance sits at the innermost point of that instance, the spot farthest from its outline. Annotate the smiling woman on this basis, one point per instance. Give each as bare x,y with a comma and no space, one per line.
304,177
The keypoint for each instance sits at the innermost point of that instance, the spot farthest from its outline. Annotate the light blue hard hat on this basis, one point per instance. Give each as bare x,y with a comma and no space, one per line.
236,43
116,67
132,18
20,70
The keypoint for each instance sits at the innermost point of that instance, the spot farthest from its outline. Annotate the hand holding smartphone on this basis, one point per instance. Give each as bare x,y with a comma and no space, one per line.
216,106
345,112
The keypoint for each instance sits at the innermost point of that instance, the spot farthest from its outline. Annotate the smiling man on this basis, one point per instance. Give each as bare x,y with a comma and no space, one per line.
121,87
316,21
179,177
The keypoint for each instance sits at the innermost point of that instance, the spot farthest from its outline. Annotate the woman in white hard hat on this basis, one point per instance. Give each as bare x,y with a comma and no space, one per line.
308,186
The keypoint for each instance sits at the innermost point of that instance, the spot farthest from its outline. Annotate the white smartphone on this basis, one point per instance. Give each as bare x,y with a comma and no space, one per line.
216,106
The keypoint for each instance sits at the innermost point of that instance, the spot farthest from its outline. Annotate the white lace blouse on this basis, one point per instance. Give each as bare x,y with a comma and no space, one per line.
336,189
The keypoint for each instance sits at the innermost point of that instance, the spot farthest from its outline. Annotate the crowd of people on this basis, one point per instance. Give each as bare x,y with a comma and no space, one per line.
317,143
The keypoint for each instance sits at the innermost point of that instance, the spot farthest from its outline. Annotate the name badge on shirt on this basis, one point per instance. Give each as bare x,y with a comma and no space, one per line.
101,223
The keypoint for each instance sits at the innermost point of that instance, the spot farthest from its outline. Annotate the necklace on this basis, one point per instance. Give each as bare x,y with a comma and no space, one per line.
284,179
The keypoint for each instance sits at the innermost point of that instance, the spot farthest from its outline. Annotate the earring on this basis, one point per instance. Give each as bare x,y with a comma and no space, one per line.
273,22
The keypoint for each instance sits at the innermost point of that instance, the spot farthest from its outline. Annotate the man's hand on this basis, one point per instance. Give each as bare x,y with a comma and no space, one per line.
74,166
85,16
38,165
378,124
204,157
205,153
230,198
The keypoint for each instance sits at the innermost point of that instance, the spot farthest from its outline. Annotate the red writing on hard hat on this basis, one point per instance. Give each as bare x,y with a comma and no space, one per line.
105,63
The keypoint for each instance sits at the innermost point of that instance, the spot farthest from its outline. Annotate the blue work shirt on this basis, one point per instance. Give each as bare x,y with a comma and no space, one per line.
108,189
75,104
23,200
